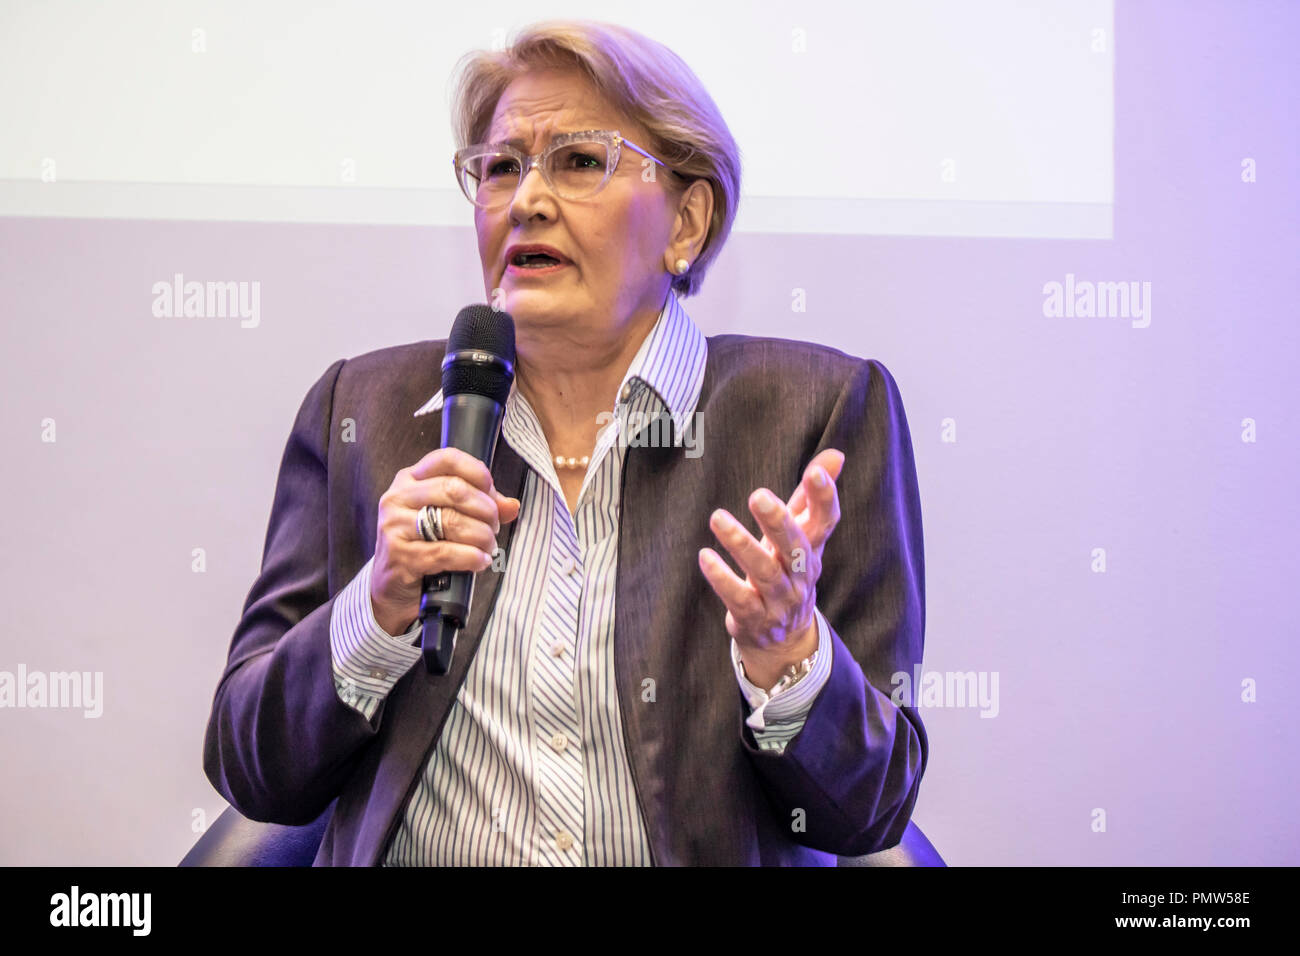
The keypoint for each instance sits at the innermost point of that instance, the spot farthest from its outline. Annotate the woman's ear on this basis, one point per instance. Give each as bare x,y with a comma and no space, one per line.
691,226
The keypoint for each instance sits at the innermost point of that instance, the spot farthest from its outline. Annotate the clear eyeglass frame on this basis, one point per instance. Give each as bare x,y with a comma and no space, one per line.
612,140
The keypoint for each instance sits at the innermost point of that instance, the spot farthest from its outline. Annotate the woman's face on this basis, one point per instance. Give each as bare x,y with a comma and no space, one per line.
617,240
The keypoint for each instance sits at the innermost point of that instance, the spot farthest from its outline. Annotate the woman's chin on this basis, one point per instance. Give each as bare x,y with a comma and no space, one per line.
535,306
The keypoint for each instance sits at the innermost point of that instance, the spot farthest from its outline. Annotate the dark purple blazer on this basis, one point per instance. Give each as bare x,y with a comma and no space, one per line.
281,745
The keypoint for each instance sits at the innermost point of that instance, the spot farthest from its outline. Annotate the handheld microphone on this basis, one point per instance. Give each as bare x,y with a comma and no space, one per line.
477,372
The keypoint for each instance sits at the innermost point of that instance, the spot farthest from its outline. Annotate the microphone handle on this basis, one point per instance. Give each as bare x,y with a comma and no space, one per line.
471,423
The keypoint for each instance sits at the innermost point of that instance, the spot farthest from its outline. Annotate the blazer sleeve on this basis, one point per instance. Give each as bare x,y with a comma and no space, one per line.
280,743
855,767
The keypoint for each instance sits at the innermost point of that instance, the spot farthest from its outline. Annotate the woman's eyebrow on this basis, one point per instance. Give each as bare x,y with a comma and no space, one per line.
518,142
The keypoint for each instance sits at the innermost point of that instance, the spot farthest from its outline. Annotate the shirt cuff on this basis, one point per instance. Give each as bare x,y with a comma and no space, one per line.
366,660
791,706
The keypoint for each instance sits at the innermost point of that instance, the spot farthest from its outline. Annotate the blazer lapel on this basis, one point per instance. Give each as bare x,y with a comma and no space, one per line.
683,741
649,641
418,704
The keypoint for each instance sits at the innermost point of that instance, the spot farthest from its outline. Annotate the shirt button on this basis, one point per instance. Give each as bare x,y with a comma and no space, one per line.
557,649
563,840
377,674
567,565
627,392
559,742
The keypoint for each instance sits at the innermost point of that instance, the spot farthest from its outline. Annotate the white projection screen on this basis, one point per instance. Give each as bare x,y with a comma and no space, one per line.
940,117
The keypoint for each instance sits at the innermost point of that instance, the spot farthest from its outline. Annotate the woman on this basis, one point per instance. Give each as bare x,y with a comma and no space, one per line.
592,713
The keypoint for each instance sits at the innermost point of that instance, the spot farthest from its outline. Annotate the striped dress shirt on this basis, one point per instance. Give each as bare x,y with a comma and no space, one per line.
531,767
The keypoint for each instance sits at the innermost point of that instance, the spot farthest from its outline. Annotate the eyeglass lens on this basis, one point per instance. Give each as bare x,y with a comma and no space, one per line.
575,170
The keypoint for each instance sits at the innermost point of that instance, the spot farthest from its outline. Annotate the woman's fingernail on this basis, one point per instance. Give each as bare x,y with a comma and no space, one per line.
820,477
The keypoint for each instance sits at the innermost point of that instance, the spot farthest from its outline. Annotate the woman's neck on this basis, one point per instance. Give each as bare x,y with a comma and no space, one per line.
570,382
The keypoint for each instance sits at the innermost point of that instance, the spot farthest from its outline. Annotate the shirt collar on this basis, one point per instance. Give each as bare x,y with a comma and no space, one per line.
670,362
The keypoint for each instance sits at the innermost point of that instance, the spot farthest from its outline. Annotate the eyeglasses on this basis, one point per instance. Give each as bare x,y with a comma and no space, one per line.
574,166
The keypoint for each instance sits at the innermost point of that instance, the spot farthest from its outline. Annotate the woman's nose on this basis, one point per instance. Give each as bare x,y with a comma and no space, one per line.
531,193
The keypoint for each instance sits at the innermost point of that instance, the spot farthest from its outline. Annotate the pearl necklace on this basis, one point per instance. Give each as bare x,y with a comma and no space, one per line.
562,462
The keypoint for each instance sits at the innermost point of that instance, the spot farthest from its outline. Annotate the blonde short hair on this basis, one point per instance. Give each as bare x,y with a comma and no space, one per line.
642,79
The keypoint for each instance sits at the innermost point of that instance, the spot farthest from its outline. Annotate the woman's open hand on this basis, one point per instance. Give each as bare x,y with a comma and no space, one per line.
770,613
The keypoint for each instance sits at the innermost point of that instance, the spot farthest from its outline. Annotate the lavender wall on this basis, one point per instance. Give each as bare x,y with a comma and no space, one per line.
1158,690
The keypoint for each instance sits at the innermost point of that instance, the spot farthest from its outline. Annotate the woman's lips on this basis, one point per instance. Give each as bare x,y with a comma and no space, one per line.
517,271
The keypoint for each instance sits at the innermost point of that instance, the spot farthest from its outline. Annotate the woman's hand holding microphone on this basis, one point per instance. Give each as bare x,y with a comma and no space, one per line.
472,514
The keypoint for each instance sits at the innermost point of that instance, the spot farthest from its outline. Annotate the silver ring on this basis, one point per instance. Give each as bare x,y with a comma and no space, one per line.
429,522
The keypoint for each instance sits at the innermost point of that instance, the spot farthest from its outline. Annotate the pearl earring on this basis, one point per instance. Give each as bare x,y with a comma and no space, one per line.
680,266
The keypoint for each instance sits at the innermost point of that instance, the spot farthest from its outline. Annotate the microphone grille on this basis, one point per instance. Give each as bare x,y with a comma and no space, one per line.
480,329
